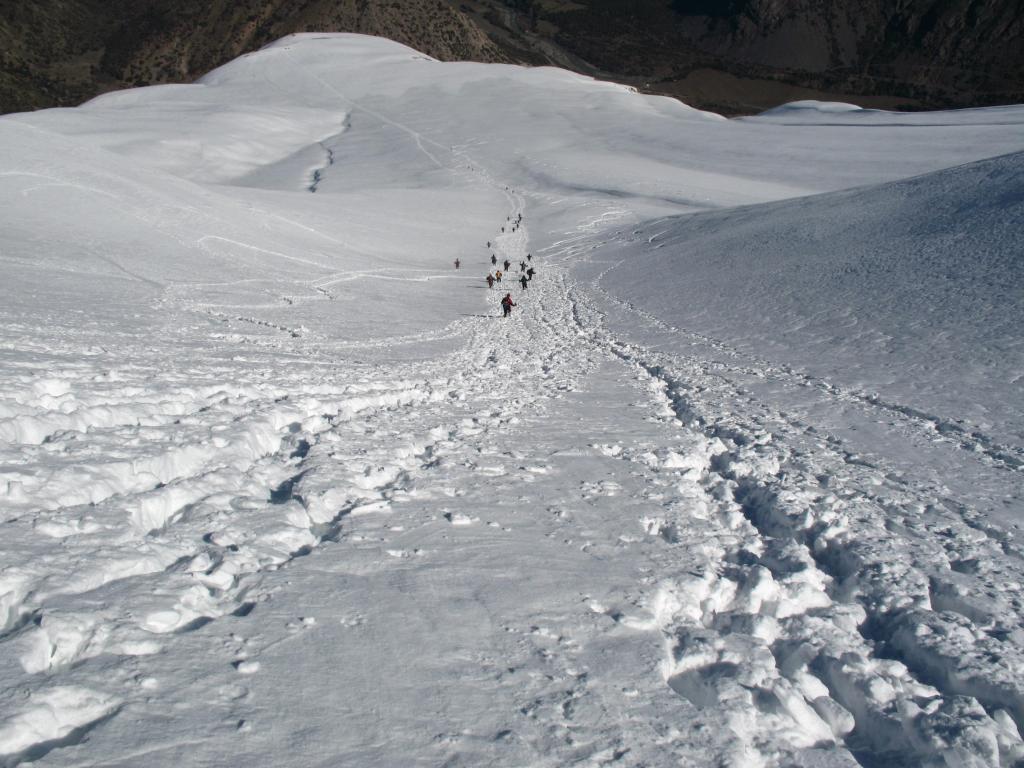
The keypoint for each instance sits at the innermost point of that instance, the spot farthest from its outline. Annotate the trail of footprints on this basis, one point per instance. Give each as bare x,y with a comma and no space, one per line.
212,533
974,442
808,624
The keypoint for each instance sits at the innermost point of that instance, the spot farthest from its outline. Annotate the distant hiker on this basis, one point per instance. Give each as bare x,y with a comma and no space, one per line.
529,274
490,280
488,243
507,262
506,305
523,281
522,266
497,276
494,259
502,229
456,263
529,257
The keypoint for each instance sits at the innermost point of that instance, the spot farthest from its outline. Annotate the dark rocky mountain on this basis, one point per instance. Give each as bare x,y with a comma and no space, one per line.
733,56
61,52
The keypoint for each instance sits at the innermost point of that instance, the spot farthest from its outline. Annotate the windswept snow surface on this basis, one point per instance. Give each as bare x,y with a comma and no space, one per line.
739,483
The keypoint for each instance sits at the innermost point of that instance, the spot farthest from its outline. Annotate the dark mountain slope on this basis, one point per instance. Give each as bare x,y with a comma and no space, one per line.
912,53
734,56
61,52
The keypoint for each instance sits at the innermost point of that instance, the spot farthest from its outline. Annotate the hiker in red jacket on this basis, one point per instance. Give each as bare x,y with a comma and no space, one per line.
507,304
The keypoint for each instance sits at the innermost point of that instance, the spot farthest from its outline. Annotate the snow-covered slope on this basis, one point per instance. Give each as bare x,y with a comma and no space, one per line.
734,485
910,290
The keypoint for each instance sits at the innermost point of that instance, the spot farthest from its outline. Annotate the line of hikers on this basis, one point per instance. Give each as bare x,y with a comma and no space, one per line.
526,275
526,271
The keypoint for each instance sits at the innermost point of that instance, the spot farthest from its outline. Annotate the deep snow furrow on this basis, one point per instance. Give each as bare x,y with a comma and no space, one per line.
60,717
176,539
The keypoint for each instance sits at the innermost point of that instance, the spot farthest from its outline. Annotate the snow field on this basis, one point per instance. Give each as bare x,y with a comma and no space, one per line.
280,488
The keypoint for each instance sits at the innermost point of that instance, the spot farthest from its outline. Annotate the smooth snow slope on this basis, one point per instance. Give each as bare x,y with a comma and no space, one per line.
910,291
278,488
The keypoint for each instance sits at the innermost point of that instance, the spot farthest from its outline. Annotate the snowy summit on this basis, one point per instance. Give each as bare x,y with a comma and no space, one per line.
738,481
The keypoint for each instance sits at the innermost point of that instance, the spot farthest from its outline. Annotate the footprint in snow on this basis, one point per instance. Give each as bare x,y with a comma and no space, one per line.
404,553
456,518
304,622
245,667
